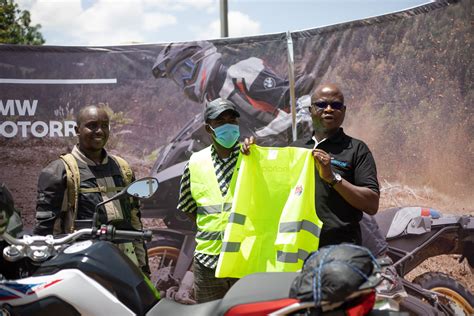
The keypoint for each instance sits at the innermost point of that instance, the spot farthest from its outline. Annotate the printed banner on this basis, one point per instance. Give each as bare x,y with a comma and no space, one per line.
406,78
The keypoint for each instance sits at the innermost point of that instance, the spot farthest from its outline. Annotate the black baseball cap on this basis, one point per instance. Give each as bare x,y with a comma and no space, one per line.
215,107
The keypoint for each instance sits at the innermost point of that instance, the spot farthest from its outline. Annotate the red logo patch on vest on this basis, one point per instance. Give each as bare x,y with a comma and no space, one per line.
298,190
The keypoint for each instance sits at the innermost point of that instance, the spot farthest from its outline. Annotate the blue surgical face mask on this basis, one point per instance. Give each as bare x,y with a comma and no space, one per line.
226,135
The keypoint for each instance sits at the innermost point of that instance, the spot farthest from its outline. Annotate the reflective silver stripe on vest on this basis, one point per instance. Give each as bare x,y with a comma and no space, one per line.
213,209
230,246
291,257
294,227
237,218
209,235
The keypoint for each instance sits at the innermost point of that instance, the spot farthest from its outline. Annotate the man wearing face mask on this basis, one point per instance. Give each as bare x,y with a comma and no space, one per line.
206,193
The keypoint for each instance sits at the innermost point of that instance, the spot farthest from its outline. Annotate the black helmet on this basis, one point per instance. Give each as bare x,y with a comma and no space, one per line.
189,65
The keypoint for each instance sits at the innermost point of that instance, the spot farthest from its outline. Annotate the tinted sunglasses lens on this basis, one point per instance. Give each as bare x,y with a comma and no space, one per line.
334,105
321,105
337,105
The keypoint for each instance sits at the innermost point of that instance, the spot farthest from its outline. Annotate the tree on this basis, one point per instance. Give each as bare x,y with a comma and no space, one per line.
15,25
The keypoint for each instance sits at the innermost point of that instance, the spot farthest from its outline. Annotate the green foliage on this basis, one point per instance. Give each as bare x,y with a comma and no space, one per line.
15,26
117,119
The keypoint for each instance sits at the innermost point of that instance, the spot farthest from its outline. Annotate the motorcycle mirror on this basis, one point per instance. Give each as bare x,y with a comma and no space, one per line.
143,188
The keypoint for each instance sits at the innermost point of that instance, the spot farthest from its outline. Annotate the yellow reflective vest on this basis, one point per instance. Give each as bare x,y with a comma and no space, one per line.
213,209
273,224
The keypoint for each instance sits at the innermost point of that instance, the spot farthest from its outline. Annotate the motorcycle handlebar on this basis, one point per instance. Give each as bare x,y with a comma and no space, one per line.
49,239
93,233
127,234
73,236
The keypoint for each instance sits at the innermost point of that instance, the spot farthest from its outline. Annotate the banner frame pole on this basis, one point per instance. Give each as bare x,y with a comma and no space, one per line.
291,79
224,18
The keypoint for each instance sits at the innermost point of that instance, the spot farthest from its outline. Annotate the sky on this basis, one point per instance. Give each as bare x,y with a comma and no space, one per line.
118,22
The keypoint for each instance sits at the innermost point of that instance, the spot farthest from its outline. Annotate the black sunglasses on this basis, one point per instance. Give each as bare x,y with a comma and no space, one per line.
324,104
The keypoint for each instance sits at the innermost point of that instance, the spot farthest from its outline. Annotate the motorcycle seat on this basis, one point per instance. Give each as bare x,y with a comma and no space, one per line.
257,287
384,219
171,308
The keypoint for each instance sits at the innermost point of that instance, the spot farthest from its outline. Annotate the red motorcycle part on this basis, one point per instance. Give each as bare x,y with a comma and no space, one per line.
260,308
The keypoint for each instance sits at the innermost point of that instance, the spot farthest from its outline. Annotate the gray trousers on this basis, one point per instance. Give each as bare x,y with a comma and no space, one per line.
206,286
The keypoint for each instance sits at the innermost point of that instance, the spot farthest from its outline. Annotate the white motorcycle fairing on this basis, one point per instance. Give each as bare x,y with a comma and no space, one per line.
74,288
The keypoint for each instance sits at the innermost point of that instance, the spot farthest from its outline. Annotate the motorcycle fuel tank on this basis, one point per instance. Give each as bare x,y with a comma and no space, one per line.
110,267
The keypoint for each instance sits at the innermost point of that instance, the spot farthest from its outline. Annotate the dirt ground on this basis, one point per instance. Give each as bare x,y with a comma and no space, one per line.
19,169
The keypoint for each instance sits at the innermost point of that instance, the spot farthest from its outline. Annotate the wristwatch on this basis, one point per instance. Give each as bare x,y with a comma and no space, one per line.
336,178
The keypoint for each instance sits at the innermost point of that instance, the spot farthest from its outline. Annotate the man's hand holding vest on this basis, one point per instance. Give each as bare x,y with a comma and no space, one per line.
245,148
323,164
